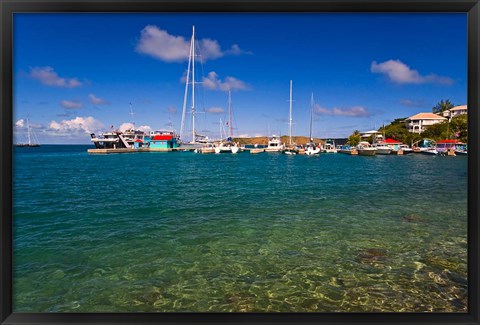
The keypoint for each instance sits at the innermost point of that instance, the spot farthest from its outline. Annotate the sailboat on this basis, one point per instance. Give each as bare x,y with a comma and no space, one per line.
290,149
197,140
311,148
30,135
228,145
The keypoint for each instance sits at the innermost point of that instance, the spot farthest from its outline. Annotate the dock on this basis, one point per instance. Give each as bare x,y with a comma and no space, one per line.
133,150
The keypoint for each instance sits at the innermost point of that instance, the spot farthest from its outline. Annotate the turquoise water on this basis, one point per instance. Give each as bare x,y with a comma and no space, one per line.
256,233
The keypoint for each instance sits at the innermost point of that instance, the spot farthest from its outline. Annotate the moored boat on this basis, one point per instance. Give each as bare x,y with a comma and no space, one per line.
109,140
256,150
207,148
311,148
366,149
227,147
461,149
423,145
382,148
274,144
430,151
405,149
348,150
329,146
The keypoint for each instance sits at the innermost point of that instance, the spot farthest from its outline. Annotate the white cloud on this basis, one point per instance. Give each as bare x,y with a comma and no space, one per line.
354,111
161,45
76,126
20,123
145,128
48,77
229,83
412,103
97,101
209,50
215,110
236,50
70,104
400,73
127,125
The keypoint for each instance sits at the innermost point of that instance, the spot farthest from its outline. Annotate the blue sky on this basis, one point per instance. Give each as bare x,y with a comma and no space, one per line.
81,73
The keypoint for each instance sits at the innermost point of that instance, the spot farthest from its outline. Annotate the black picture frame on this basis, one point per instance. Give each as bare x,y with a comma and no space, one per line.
10,7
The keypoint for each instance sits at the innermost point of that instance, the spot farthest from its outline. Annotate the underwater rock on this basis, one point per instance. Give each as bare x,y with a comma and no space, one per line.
411,218
455,277
372,256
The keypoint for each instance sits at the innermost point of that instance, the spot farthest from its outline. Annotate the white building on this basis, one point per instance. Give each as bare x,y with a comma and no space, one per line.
455,111
376,135
418,123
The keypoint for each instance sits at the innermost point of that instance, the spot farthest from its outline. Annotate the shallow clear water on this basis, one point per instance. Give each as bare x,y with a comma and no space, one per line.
269,232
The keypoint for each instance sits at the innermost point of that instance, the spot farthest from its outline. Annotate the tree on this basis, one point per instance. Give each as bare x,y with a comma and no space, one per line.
459,127
442,106
438,131
397,130
354,138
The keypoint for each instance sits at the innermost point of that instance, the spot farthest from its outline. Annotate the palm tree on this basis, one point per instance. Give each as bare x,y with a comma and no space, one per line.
442,106
354,139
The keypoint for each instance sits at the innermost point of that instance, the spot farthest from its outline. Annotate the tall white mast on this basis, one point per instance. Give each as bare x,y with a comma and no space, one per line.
290,112
193,84
230,134
182,126
191,65
311,118
28,128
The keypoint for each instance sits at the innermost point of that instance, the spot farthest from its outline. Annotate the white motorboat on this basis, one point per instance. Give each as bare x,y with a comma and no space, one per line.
366,149
405,149
382,148
329,147
430,151
274,144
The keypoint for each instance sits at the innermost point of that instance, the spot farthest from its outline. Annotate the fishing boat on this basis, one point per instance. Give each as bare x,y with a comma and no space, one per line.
274,144
31,138
364,148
